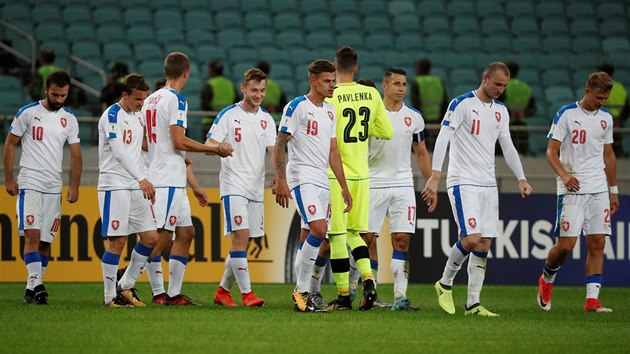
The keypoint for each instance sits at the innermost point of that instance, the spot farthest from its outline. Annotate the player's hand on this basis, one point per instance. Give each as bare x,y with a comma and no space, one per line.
614,203
201,196
12,187
187,161
525,188
147,190
225,149
73,194
429,194
571,183
282,193
347,198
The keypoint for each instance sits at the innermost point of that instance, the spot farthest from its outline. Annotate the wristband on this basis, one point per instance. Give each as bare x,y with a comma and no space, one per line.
614,190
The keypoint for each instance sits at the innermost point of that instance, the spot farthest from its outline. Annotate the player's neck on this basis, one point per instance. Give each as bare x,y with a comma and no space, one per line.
47,105
176,84
123,104
482,95
586,107
344,78
391,105
248,107
316,98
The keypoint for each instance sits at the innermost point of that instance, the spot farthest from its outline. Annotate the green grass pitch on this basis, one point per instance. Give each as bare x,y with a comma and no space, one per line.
76,322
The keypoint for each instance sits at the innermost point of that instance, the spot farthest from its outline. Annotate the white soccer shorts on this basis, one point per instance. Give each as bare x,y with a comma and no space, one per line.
398,204
313,203
240,213
125,212
172,208
41,211
475,209
583,212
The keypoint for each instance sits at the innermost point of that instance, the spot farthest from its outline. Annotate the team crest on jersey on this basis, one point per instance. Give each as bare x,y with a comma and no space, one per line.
565,226
312,209
238,220
497,115
330,115
115,224
263,124
30,219
604,125
64,122
408,121
472,222
172,220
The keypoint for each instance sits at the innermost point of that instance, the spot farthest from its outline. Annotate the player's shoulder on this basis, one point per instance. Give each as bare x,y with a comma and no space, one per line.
463,98
564,110
29,107
227,111
606,112
111,113
294,104
181,100
412,110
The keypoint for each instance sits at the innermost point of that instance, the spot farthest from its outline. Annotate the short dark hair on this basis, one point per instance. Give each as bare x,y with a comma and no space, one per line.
513,67
175,65
320,66
135,81
599,80
346,59
391,71
423,66
217,65
48,55
264,66
160,83
254,74
494,66
367,82
58,78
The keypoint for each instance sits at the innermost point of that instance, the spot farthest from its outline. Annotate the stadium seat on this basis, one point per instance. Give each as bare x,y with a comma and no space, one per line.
273,54
464,76
11,101
288,39
45,13
352,39
550,9
309,7
229,38
228,19
459,8
80,32
16,11
172,18
287,21
557,77
538,139
579,11
526,44
148,51
613,27
194,5
497,43
134,16
554,26
343,6
530,76
556,44
493,26
469,42
611,10
240,68
519,9
107,16
489,8
557,96
167,35
347,23
429,8
254,21
152,68
9,83
301,55
378,23
284,6
260,38
199,36
379,41
238,54
371,58
129,4
438,42
117,51
288,87
406,23
140,33
401,7
208,52
583,28
409,42
198,20
525,26
372,7
86,49
465,24
76,14
616,44
437,24
318,40
218,6
282,71
50,31
110,33
372,72
179,46
316,23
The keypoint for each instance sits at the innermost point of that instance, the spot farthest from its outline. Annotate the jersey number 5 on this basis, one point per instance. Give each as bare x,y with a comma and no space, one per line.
351,114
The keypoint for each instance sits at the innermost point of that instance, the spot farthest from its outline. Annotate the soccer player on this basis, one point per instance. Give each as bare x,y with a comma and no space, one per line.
360,113
472,124
42,127
124,192
308,129
391,181
165,112
582,134
252,131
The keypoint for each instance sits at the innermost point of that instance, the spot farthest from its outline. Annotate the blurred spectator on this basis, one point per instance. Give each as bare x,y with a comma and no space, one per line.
367,82
46,67
160,83
428,94
274,100
112,92
520,102
8,62
217,93
617,105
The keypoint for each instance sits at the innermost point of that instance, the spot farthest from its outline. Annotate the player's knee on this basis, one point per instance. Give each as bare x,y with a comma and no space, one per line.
596,244
318,229
186,234
149,239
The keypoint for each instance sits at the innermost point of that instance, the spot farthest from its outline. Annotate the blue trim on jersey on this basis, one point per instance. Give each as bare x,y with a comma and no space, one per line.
605,110
412,108
106,206
218,118
263,109
397,255
560,205
474,185
419,137
480,254
498,102
32,257
594,278
314,241
143,250
110,258
22,109
112,135
293,105
459,99
228,215
300,244
112,113
182,259
181,100
67,110
284,129
562,110
171,193
21,208
180,123
238,254
460,210
300,203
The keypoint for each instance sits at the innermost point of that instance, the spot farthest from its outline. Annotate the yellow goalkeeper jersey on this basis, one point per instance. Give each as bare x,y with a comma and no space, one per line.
360,114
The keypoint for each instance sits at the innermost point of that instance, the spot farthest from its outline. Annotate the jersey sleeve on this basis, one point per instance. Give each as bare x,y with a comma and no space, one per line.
382,127
219,130
290,120
73,131
505,126
270,132
558,129
418,133
454,116
608,139
180,117
20,123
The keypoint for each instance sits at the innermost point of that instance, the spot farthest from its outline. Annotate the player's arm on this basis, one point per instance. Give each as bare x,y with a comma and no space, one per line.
184,143
570,182
76,165
129,165
422,155
514,161
336,165
199,192
382,127
9,155
610,168
280,170
429,192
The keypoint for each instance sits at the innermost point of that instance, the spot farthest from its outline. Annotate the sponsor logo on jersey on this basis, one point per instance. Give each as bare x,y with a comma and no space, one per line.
330,115
472,222
263,124
64,122
408,121
312,209
497,115
474,111
565,226
30,219
115,224
238,220
172,220
37,118
604,125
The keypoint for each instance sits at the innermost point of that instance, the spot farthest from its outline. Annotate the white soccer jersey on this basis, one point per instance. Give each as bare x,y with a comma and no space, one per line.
161,109
389,160
583,135
478,126
250,134
43,134
116,124
312,129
